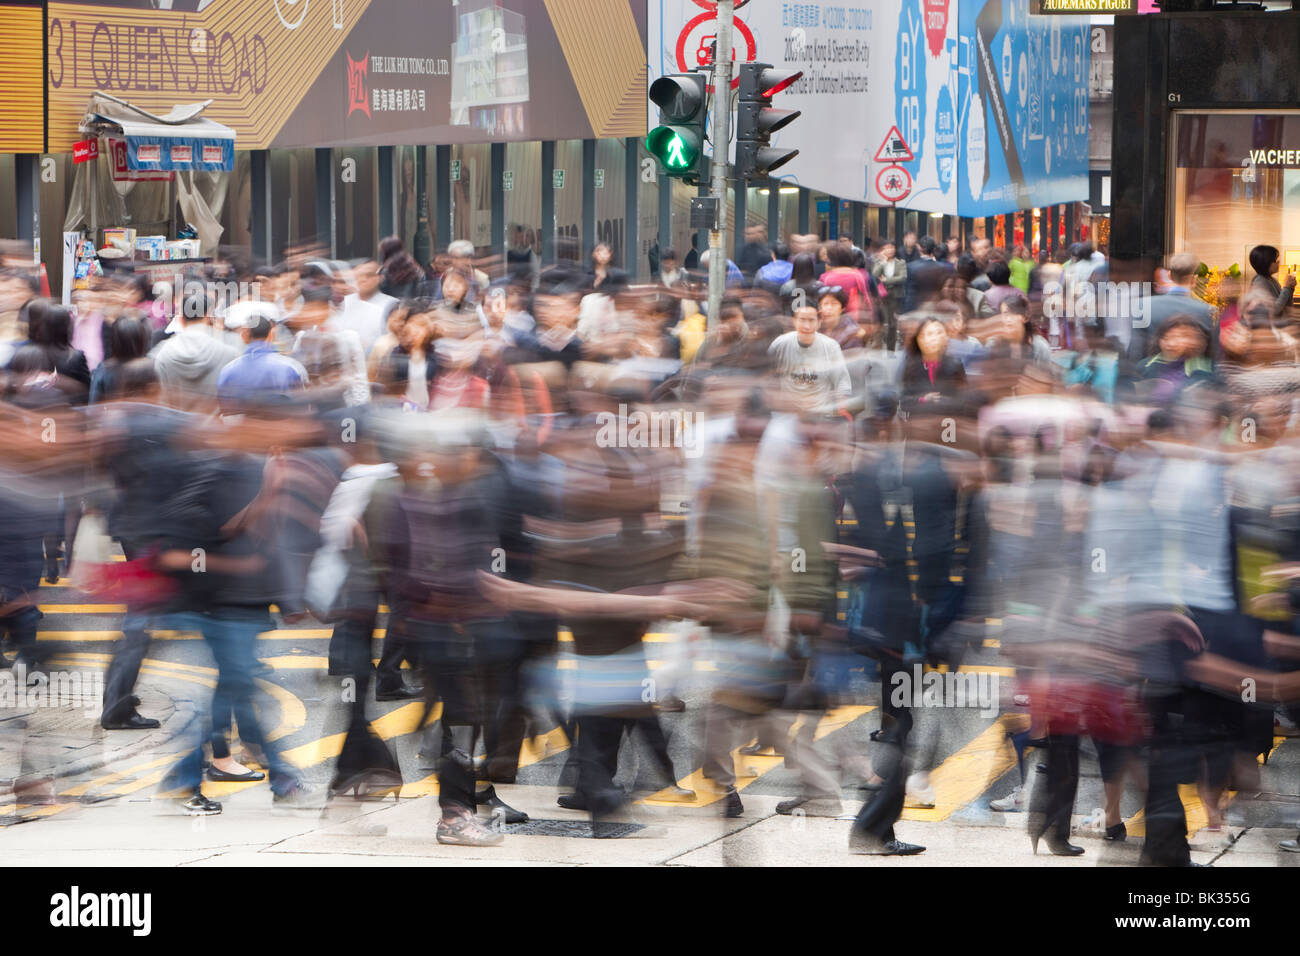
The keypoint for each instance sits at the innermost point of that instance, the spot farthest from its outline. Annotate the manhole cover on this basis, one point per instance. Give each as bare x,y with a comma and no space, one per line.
574,828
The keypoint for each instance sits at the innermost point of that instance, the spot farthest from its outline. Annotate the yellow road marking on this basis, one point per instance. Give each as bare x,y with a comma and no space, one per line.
534,750
706,791
966,774
1193,807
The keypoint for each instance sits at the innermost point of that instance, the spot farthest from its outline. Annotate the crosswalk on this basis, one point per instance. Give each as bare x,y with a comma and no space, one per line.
972,770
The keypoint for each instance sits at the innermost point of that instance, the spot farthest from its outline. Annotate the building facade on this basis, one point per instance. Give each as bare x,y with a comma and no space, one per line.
521,125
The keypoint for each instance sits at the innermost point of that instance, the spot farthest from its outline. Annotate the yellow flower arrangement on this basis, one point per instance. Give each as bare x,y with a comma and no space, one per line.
1210,281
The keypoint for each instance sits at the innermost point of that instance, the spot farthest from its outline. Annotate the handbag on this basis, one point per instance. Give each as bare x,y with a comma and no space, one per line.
136,583
1075,706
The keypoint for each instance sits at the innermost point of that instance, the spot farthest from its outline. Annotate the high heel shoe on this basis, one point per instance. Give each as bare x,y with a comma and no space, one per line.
1057,846
369,785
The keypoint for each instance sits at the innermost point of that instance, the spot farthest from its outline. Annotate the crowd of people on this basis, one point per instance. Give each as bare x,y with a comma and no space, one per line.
891,456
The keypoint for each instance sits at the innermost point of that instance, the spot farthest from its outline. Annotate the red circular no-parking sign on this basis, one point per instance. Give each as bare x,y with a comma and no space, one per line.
696,52
893,183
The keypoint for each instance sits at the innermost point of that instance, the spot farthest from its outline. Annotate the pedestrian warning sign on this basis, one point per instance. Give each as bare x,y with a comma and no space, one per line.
894,149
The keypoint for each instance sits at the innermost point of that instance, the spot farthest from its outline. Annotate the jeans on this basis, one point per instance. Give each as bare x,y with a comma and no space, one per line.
231,634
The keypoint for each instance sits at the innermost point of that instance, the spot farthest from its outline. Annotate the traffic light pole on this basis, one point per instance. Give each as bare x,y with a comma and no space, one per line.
719,165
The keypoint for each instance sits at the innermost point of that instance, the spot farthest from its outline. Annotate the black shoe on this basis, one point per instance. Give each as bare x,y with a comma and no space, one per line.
133,722
1116,834
507,813
572,801
399,693
868,846
787,807
200,806
732,807
222,776
1059,848
754,749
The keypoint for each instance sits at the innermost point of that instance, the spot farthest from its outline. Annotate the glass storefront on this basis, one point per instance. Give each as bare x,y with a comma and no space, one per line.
789,203
406,211
356,219
647,201
1235,184
611,208
568,200
471,195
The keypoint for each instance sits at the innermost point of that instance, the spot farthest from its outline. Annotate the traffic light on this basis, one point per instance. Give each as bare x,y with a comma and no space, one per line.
677,141
756,121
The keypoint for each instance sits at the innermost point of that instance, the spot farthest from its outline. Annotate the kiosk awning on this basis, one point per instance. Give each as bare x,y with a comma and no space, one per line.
180,140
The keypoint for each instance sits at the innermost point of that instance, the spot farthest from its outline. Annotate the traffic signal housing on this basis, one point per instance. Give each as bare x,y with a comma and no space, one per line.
677,142
756,120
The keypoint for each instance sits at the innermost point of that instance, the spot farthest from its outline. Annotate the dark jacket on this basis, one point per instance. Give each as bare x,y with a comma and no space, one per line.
949,377
925,279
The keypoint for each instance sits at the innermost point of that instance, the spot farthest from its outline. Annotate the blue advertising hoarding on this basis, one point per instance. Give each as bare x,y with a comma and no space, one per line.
1023,90
964,107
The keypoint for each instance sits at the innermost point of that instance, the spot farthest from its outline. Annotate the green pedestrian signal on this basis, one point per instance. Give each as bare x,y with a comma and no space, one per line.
678,139
673,148
675,155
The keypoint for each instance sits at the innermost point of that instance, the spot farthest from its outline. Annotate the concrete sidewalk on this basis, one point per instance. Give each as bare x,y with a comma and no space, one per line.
60,739
139,830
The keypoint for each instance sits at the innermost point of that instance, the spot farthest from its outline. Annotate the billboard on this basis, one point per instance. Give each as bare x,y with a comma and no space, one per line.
290,73
1024,88
897,104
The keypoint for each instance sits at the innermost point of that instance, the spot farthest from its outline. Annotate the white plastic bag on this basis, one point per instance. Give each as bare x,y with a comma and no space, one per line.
91,549
777,627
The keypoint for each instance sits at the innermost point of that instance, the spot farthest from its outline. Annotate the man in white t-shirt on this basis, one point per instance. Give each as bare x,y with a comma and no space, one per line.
814,376
364,311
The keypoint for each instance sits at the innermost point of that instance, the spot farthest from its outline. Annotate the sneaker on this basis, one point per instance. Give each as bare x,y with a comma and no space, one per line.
464,829
1094,824
298,797
676,795
1291,846
920,793
200,806
1013,802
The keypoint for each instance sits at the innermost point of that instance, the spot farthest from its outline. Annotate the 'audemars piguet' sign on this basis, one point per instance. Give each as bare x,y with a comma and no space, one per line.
1048,7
